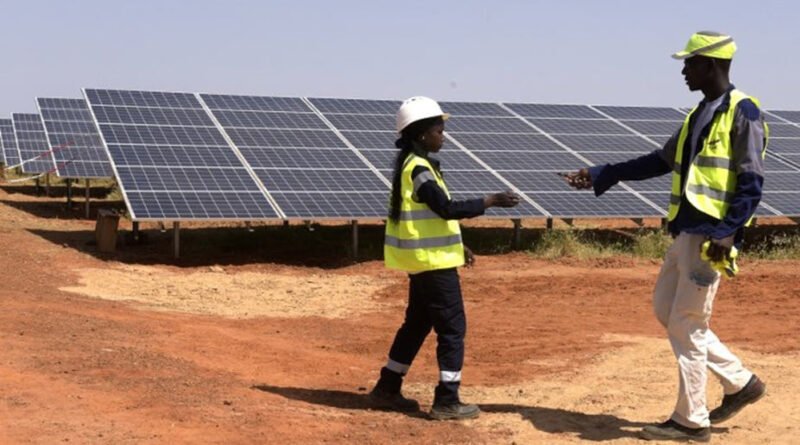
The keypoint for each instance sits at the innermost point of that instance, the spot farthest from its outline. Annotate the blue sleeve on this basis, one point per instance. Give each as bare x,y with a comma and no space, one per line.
644,167
742,206
434,197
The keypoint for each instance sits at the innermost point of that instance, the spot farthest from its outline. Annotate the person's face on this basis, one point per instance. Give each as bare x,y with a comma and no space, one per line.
433,139
697,71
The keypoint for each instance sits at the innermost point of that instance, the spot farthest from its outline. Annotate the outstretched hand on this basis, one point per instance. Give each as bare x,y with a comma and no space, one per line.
580,179
504,199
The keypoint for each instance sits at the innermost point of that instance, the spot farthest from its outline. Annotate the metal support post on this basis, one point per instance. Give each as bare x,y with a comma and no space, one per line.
176,239
549,224
88,196
38,187
135,231
69,193
517,233
354,225
47,185
249,226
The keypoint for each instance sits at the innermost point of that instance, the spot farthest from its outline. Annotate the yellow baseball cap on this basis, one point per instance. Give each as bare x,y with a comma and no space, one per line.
709,44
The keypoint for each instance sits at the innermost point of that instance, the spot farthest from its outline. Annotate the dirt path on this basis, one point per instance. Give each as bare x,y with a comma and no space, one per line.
98,350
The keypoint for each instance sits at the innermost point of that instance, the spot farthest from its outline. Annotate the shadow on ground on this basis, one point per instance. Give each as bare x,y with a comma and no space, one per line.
50,209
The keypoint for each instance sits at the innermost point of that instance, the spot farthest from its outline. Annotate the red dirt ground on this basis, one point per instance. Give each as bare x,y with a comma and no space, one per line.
557,351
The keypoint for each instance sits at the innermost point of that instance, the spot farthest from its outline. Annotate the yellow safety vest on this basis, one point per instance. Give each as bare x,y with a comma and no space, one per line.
420,240
711,178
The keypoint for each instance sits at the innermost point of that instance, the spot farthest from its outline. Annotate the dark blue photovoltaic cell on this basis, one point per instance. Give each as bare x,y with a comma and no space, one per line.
451,159
487,125
656,128
269,119
522,210
184,117
630,143
321,180
573,126
356,106
73,136
531,182
577,204
784,130
791,116
517,142
601,158
528,160
9,141
552,110
786,203
784,145
254,137
333,205
34,150
257,103
362,122
186,205
383,140
181,168
474,109
653,113
480,181
773,163
312,158
782,182
791,158
662,184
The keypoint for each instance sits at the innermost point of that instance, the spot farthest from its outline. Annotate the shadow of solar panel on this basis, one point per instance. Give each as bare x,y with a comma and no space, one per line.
788,203
310,205
9,142
268,119
255,137
321,180
527,160
182,205
307,158
784,145
516,142
579,204
605,143
362,122
576,126
656,128
554,110
474,109
356,106
784,130
383,140
256,103
487,124
653,113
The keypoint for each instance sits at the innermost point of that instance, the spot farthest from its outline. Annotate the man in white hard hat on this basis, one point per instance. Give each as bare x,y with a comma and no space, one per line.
716,162
423,239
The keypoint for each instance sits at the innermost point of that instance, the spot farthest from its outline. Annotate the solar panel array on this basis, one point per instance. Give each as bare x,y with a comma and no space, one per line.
73,138
171,161
184,156
34,150
9,143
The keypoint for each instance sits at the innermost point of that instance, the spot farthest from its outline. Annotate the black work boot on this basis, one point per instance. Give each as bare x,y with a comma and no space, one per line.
454,411
672,430
381,398
733,403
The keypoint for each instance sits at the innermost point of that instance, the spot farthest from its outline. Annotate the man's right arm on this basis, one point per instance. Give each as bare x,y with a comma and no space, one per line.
656,163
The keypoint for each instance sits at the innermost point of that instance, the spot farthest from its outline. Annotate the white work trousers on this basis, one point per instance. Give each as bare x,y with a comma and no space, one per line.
682,300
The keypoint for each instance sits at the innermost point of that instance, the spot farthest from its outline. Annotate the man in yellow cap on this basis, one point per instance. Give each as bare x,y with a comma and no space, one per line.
716,162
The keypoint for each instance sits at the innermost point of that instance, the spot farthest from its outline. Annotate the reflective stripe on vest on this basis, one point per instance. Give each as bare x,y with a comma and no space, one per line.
421,240
711,177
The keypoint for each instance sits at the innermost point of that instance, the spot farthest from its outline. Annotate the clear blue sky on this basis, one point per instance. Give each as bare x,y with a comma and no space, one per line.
555,51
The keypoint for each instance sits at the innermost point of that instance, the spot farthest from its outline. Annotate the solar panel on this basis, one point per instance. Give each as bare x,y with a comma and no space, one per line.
791,116
655,128
34,150
604,143
76,144
579,126
474,109
178,169
784,145
304,164
9,143
580,204
784,130
551,110
514,142
647,113
356,106
488,125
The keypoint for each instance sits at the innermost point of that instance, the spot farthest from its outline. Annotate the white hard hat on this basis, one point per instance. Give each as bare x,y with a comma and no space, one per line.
418,108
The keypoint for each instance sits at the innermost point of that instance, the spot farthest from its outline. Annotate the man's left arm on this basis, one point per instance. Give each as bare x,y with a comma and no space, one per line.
747,145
